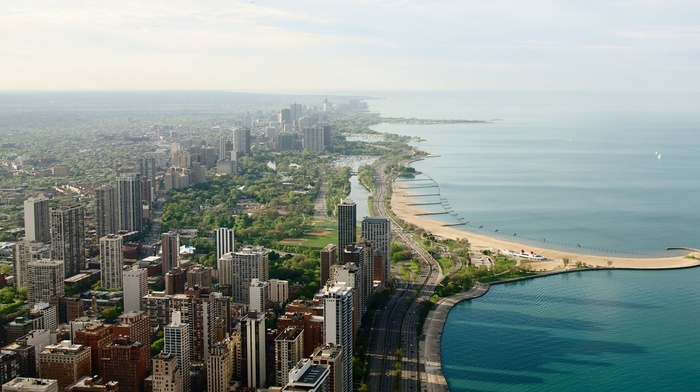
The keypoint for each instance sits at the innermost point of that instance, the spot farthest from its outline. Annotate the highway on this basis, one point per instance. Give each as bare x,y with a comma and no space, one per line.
396,323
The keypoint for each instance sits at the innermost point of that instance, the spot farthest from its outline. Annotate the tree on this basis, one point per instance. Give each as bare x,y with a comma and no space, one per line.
7,295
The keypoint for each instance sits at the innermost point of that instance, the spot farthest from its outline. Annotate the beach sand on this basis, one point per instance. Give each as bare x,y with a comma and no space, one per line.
401,198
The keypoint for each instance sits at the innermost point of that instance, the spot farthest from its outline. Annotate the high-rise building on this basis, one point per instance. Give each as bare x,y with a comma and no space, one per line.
378,232
68,237
159,309
44,316
135,282
220,365
28,347
307,377
125,361
338,325
36,220
106,211
238,269
170,244
9,365
289,349
129,202
25,252
259,293
177,341
241,141
135,325
313,139
296,111
285,117
111,261
45,280
332,357
95,336
27,384
329,258
357,259
147,169
175,280
65,362
255,350
167,374
347,224
199,277
224,242
223,150
279,291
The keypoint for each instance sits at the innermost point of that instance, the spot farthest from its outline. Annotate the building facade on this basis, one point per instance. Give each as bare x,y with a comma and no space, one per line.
68,237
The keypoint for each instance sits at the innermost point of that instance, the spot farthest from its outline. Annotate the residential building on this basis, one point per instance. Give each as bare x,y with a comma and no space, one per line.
347,224
378,232
170,244
332,357
177,341
135,325
28,384
279,291
238,269
255,350
68,237
259,293
329,258
130,210
26,251
111,261
125,361
167,373
95,336
289,350
225,242
65,362
135,281
36,220
106,211
307,377
220,366
338,325
45,280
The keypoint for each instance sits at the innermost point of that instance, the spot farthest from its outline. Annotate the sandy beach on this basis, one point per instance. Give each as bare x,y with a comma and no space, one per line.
401,198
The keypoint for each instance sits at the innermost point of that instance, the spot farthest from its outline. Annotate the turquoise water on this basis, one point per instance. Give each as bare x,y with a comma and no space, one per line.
577,172
588,331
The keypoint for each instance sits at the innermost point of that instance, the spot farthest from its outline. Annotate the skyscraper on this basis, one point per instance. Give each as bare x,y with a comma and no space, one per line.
223,151
36,220
68,237
106,211
255,350
332,357
147,169
224,242
259,293
329,258
289,349
237,269
170,243
347,224
25,252
129,202
177,341
220,366
135,281
45,280
313,139
241,141
378,232
111,261
337,324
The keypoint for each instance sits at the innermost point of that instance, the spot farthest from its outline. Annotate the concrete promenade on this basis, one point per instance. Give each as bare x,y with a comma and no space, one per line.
432,378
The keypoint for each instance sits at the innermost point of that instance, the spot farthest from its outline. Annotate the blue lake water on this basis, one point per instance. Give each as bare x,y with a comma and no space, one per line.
587,331
613,174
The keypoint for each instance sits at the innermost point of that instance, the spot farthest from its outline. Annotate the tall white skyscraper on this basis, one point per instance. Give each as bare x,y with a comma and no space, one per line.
135,288
259,292
111,261
347,224
224,242
313,139
177,341
36,220
255,350
45,280
378,232
337,324
106,211
68,237
25,252
238,269
129,201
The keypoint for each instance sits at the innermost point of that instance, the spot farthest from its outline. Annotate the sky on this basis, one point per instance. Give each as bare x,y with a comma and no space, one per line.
362,45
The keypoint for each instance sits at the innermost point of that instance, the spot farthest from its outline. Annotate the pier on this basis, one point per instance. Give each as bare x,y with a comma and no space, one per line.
423,204
432,213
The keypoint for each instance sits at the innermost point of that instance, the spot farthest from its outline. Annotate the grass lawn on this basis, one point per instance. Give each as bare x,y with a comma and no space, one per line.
321,233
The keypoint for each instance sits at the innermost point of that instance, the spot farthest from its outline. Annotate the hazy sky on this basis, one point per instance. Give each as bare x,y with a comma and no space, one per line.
313,45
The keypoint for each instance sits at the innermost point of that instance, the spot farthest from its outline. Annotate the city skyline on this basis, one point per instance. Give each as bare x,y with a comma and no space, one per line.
363,45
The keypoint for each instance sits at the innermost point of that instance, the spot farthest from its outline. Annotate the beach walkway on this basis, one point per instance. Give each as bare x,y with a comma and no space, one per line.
432,378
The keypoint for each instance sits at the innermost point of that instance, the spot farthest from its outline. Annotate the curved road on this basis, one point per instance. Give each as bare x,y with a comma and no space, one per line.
396,324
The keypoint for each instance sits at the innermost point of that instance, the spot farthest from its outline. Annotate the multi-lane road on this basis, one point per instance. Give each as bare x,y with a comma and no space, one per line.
394,332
